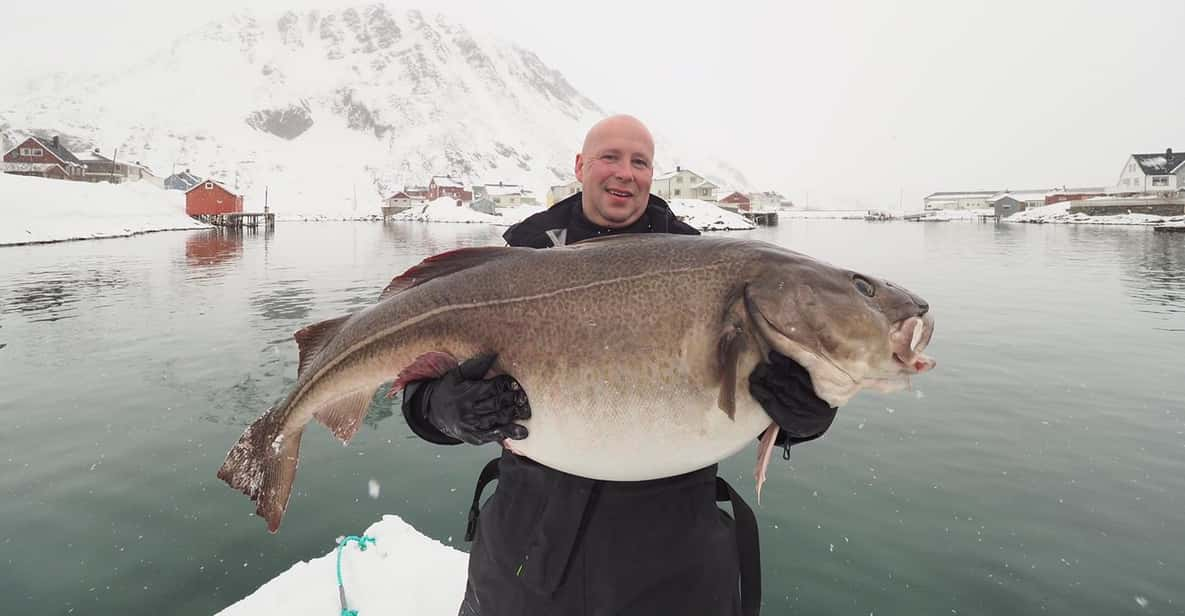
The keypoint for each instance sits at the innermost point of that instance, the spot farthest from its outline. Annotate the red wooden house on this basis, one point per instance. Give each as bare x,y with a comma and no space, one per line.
43,158
209,197
445,186
737,201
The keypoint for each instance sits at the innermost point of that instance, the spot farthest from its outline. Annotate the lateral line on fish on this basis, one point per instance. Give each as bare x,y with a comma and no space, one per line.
444,309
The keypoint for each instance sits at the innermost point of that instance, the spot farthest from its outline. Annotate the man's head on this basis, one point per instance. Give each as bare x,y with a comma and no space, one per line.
615,168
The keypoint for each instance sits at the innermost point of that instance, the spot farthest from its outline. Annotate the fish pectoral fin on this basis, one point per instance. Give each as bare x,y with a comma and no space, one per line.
344,414
729,348
431,365
311,339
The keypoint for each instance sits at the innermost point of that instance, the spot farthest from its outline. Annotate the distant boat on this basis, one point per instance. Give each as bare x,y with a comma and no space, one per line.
878,216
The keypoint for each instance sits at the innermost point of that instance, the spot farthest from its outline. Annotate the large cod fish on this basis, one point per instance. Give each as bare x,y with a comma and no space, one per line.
634,351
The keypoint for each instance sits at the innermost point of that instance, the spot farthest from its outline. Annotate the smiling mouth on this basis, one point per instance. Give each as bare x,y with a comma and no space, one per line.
619,193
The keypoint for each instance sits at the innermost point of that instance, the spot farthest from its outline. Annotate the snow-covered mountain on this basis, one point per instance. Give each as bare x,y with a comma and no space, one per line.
330,110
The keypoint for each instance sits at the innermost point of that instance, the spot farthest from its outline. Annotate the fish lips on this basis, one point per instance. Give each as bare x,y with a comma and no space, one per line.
908,338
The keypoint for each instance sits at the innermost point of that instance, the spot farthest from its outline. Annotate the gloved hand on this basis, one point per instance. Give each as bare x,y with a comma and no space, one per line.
785,391
464,406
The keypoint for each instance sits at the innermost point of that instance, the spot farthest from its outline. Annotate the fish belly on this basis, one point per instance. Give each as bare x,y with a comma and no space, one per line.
638,439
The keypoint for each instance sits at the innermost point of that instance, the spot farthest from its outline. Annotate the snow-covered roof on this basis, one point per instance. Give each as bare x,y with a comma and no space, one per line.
967,194
1160,164
212,181
445,181
1037,194
504,190
703,184
670,174
399,195
60,152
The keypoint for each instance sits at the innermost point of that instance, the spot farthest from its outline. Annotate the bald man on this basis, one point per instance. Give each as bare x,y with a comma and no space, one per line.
550,543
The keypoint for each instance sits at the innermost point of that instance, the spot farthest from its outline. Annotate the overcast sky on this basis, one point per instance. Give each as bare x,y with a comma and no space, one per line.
840,103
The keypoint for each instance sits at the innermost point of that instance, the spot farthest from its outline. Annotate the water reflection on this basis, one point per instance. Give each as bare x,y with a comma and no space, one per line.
53,295
213,247
1154,272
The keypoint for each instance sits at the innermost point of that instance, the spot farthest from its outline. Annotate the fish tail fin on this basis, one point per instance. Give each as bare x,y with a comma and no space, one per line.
262,465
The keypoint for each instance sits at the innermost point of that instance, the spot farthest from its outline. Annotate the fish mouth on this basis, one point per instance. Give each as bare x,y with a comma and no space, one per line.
907,339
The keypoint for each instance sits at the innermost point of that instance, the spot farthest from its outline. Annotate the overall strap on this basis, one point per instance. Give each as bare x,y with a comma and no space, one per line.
488,474
748,548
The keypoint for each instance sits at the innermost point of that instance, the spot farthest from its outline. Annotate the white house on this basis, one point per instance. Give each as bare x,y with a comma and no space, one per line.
1151,173
966,200
505,195
767,201
683,184
559,192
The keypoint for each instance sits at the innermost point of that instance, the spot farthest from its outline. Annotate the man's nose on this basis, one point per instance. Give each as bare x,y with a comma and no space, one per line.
623,172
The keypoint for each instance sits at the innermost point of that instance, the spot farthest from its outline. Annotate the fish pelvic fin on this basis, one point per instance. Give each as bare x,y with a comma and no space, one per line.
311,339
262,465
344,414
764,454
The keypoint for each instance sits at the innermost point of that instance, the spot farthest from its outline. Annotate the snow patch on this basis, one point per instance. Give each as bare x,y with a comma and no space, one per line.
44,210
403,572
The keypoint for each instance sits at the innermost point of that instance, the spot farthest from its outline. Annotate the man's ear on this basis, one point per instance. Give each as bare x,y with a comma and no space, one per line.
580,168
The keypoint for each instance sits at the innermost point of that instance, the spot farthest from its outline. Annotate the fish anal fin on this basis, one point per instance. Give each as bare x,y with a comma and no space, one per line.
312,338
430,365
262,465
729,348
344,414
443,264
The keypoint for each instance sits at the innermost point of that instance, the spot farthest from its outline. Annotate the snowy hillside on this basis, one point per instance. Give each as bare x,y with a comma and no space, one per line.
329,110
40,210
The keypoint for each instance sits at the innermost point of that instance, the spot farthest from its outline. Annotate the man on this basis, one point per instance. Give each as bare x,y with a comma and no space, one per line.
552,543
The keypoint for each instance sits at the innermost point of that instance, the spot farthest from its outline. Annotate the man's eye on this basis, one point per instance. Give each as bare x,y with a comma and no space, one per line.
608,157
641,164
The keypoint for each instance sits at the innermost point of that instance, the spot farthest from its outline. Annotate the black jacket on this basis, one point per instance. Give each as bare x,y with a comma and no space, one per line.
565,223
551,543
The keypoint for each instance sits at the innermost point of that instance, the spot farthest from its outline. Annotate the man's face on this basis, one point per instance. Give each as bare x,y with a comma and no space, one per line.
615,170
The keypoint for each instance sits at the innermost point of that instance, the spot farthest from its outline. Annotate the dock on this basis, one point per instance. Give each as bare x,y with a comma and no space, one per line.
240,220
761,218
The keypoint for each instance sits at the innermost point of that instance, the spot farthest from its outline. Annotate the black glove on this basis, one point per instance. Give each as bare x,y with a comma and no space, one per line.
462,406
785,391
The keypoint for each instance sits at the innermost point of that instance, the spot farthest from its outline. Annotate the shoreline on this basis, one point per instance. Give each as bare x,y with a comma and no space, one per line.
100,237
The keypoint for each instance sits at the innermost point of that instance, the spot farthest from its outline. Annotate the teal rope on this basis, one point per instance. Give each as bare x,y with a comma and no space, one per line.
341,588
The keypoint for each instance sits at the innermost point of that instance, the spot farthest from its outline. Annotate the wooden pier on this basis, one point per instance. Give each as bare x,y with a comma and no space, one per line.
240,220
761,219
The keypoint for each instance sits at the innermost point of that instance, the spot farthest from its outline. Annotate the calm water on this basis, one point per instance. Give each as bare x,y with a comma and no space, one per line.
1038,470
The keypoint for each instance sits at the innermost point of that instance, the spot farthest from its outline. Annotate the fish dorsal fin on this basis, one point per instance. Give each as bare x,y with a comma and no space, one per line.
445,263
311,339
616,237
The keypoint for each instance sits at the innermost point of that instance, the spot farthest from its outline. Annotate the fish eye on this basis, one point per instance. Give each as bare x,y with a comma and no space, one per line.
864,287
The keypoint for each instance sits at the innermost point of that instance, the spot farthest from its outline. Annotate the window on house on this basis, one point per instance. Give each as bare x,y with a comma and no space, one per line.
677,192
1160,181
209,185
679,180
